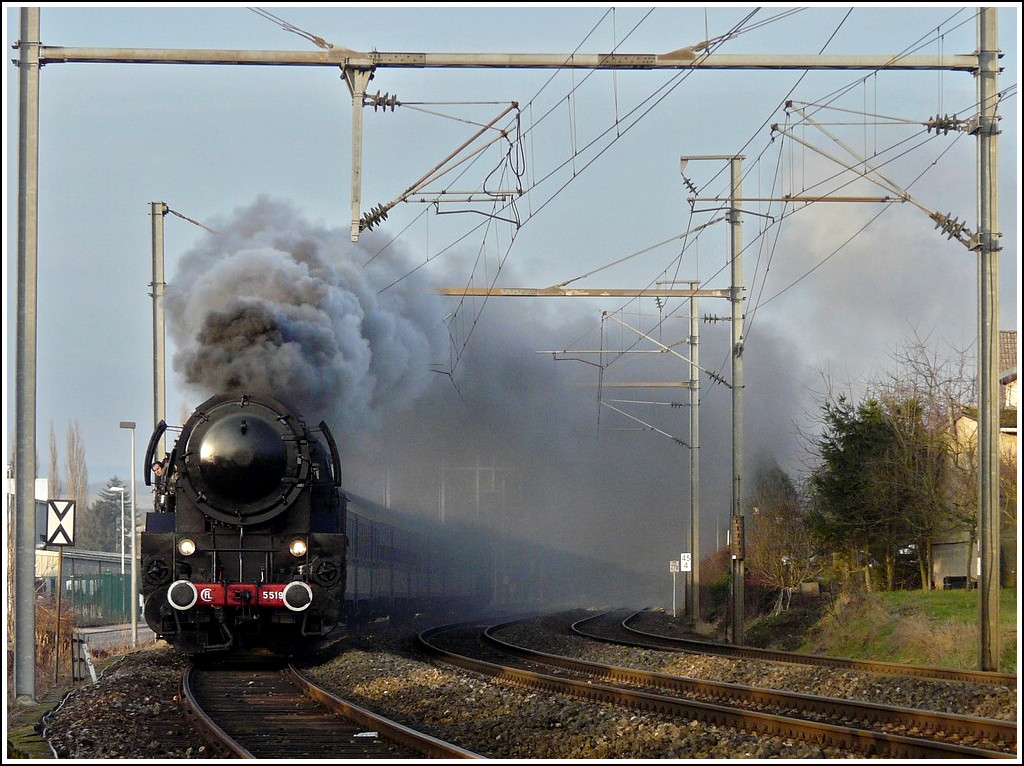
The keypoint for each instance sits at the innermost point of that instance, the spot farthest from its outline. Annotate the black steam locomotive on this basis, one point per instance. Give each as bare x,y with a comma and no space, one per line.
246,546
253,546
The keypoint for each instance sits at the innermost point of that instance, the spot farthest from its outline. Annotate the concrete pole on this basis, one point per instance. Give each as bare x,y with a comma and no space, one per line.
738,543
130,425
122,531
357,80
157,212
135,559
693,603
25,386
988,338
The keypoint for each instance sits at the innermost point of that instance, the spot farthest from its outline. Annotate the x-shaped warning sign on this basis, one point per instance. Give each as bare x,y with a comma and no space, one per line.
60,522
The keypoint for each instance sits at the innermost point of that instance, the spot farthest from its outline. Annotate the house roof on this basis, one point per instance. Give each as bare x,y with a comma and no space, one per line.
1007,353
1007,417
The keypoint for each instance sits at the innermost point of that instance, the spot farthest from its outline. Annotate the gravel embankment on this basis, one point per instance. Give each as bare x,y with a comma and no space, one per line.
132,711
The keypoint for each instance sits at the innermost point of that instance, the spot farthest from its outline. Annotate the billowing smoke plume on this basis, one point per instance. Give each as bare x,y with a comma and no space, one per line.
511,438
275,305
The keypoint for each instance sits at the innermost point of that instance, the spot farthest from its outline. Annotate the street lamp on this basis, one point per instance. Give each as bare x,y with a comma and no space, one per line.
130,425
121,490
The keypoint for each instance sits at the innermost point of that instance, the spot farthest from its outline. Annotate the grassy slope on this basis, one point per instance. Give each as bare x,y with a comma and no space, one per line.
938,628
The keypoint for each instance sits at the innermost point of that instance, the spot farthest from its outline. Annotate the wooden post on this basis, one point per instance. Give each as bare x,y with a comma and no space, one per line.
56,635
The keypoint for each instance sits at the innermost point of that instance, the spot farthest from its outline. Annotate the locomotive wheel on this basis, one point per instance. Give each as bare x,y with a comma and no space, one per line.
152,609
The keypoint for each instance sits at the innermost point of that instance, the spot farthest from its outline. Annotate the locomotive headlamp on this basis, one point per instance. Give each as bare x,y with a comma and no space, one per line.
297,547
186,547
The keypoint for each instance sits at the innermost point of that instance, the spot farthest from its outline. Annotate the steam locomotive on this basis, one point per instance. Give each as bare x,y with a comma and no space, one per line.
246,546
254,546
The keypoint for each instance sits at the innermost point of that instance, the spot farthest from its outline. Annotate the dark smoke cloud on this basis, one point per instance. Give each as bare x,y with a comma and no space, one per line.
510,438
276,305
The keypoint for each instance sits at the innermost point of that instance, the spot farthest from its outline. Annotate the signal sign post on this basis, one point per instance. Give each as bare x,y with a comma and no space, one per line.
60,531
673,567
686,566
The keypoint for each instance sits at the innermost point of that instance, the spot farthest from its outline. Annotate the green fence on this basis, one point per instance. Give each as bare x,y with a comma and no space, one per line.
99,599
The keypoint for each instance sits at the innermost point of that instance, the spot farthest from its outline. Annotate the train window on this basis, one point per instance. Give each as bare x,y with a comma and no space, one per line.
399,553
363,540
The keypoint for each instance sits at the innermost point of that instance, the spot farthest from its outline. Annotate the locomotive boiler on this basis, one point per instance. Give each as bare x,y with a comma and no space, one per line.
246,546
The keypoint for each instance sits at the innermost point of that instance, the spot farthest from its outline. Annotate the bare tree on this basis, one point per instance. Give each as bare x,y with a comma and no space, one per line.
55,486
780,550
920,400
1008,531
78,474
1008,488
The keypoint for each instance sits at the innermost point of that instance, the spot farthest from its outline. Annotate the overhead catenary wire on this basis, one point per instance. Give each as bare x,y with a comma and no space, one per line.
597,149
195,222
534,211
289,27
842,245
636,114
826,102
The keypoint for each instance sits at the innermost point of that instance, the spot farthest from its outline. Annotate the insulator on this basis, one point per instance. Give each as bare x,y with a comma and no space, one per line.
658,302
385,101
952,227
955,229
944,124
376,215
690,185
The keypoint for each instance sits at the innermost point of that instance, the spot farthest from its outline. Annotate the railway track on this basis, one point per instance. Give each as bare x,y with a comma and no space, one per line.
874,730
623,628
993,734
275,713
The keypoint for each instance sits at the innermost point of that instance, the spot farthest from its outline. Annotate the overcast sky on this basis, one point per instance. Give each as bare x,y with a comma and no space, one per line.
255,166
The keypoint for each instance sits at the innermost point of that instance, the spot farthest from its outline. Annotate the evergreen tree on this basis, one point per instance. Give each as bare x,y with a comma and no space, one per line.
879,495
848,514
99,528
893,476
